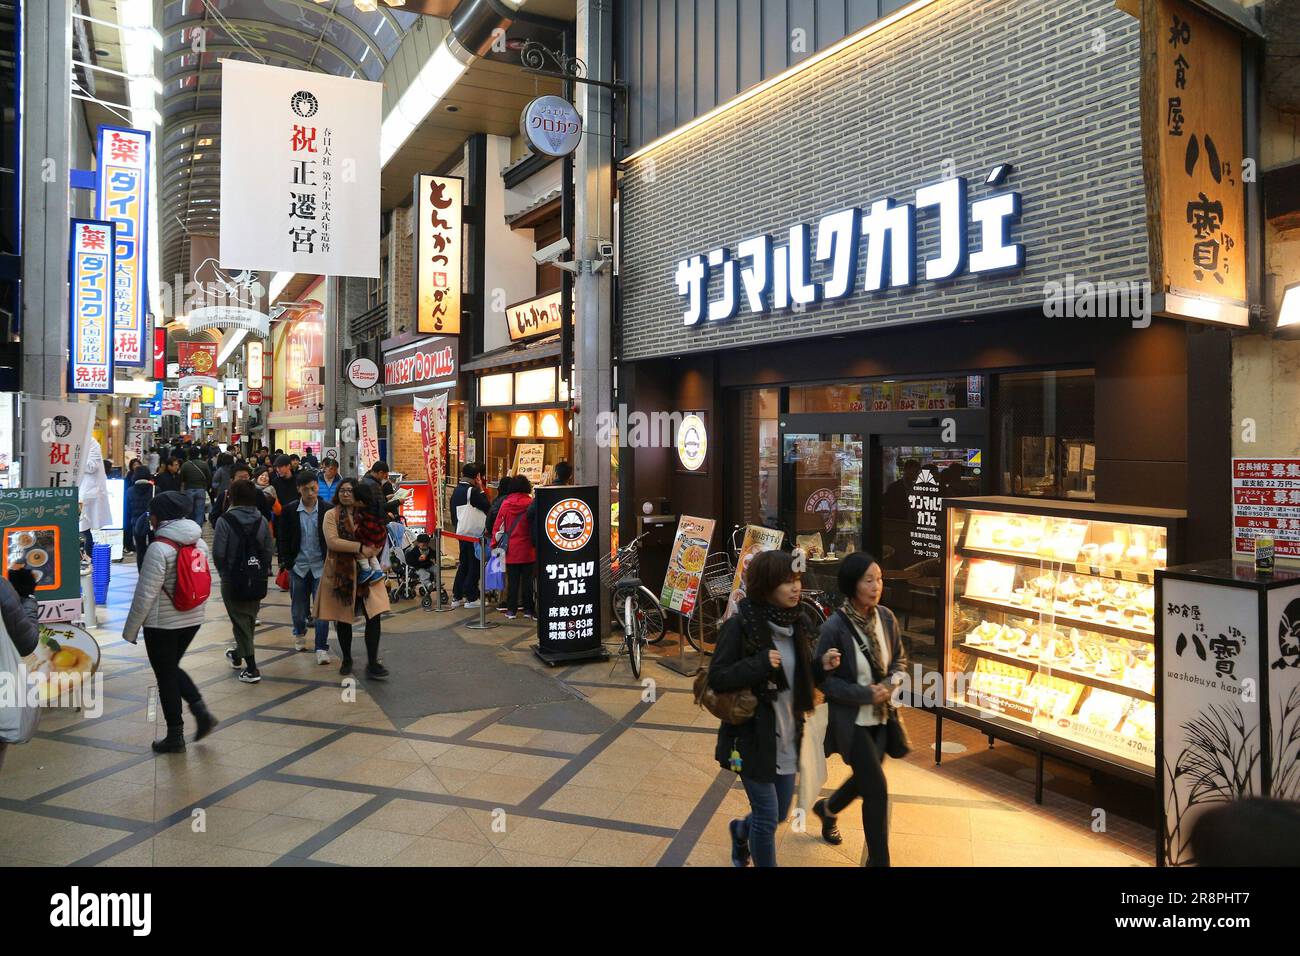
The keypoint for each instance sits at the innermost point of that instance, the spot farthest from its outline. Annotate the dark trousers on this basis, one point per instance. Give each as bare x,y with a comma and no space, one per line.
344,632
519,577
466,583
141,546
867,782
165,648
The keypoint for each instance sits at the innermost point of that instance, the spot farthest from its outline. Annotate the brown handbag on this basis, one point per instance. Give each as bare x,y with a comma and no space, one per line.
730,707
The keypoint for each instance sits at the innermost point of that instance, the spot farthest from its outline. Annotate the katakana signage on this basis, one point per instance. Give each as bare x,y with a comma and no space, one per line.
122,198
90,341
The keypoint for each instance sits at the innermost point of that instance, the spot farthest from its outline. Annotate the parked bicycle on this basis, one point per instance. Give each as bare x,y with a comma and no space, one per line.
651,621
627,598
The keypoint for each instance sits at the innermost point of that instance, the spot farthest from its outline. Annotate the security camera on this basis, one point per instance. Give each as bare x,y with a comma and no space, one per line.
552,252
605,249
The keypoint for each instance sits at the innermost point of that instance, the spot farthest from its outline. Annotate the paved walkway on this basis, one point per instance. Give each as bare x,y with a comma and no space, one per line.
476,754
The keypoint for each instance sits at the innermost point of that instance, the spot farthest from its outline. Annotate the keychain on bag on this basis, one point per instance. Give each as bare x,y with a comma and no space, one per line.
734,762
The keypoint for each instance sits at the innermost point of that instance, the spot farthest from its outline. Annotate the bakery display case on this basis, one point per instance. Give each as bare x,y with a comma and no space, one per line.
1049,626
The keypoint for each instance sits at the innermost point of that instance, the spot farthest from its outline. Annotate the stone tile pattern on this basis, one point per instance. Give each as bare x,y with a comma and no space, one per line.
1051,88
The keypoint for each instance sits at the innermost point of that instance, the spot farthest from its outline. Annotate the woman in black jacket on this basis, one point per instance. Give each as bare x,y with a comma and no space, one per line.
138,496
862,641
766,648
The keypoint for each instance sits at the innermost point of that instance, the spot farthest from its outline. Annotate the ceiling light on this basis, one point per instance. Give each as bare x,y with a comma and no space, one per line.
1289,312
438,75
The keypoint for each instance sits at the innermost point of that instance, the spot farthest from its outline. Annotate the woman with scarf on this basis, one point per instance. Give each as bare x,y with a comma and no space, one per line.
765,648
863,639
339,598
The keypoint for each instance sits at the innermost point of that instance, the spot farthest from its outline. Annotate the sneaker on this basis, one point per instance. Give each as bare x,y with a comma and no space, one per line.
739,845
456,603
249,676
235,660
323,657
377,670
300,642
830,829
472,604
510,615
503,609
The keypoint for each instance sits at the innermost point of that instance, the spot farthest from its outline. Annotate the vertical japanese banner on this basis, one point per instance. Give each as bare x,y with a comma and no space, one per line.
1210,743
299,171
122,198
1192,119
431,420
160,353
367,439
439,246
55,436
90,279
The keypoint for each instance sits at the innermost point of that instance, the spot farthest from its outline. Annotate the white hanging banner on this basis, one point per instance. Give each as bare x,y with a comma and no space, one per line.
299,171
367,438
55,439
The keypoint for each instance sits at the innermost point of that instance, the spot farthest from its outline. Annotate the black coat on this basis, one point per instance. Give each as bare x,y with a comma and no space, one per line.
166,481
288,532
740,660
844,694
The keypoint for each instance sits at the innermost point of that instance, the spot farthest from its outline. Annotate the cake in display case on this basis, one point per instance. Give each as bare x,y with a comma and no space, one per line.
1049,635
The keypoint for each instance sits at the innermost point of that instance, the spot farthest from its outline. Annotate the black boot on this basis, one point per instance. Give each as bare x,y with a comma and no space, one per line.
173,743
830,829
203,717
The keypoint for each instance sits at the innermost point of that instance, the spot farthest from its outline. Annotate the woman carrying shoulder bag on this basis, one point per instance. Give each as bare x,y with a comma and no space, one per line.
861,645
340,598
765,648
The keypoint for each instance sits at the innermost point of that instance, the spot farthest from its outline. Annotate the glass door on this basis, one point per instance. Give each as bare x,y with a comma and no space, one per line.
822,499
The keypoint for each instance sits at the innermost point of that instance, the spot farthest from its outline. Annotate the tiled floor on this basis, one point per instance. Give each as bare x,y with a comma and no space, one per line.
586,767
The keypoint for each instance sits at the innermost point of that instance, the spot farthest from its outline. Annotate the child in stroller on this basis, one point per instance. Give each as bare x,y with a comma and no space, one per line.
413,563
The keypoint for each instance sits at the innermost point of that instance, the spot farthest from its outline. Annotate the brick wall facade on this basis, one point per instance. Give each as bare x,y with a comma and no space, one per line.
400,262
1051,88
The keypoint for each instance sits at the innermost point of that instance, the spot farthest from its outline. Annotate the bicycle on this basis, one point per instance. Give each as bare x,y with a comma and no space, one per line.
651,620
626,591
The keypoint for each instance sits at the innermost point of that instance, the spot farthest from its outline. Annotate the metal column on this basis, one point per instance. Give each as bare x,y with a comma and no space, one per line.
47,120
593,224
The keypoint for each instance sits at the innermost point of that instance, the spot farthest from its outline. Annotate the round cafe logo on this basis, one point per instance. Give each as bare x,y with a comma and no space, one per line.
569,524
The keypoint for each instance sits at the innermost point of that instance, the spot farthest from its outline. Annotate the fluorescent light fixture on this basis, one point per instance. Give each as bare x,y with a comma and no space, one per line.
1289,312
438,75
134,387
228,349
278,282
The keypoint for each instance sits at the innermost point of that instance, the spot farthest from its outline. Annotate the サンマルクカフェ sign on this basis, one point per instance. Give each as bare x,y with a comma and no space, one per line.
1193,154
534,317
568,573
299,171
427,364
438,249
90,346
122,198
820,263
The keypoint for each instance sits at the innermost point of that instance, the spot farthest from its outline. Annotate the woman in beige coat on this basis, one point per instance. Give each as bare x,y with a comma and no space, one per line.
338,599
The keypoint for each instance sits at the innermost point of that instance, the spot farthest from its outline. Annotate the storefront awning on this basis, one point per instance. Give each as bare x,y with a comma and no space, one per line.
512,357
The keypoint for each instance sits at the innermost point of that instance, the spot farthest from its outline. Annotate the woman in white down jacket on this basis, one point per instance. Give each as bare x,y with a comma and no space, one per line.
167,631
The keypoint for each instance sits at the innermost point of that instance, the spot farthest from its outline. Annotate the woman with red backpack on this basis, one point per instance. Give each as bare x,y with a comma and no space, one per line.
175,581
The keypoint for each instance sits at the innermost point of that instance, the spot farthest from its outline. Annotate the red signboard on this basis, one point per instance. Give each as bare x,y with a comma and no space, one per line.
421,364
197,358
1266,503
160,354
415,509
255,396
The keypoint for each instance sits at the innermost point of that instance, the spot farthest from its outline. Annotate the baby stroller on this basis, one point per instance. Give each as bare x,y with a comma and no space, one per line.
406,582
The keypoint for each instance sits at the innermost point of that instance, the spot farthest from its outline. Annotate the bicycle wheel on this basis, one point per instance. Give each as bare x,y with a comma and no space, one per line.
814,610
702,629
650,615
632,634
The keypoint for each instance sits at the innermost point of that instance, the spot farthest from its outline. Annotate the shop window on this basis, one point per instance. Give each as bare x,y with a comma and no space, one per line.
760,471
496,390
535,386
890,395
1045,425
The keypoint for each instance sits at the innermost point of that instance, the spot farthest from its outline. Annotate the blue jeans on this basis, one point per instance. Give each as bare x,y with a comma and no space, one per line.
769,804
302,592
199,498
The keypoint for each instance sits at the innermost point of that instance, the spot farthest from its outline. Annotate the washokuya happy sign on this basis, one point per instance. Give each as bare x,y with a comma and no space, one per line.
763,277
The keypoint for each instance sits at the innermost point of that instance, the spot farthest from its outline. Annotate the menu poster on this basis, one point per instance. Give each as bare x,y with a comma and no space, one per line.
686,564
757,538
530,461
1266,503
38,531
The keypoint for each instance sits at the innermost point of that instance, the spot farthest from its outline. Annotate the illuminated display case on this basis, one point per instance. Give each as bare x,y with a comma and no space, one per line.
1049,633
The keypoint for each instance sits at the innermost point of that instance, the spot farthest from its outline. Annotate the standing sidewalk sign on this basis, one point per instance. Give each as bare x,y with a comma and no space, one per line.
1228,683
38,531
757,538
122,198
90,278
686,564
568,574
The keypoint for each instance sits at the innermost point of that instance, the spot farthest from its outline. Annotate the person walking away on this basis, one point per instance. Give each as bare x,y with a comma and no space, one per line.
340,599
862,640
153,461
469,508
138,497
241,549
765,648
221,481
22,628
300,548
128,514
168,605
282,480
195,479
328,481
517,542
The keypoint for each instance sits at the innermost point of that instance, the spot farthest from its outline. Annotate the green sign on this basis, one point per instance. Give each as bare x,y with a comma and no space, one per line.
38,531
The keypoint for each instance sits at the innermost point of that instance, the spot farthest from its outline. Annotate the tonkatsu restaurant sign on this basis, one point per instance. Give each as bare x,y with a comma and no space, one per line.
439,246
534,317
868,249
